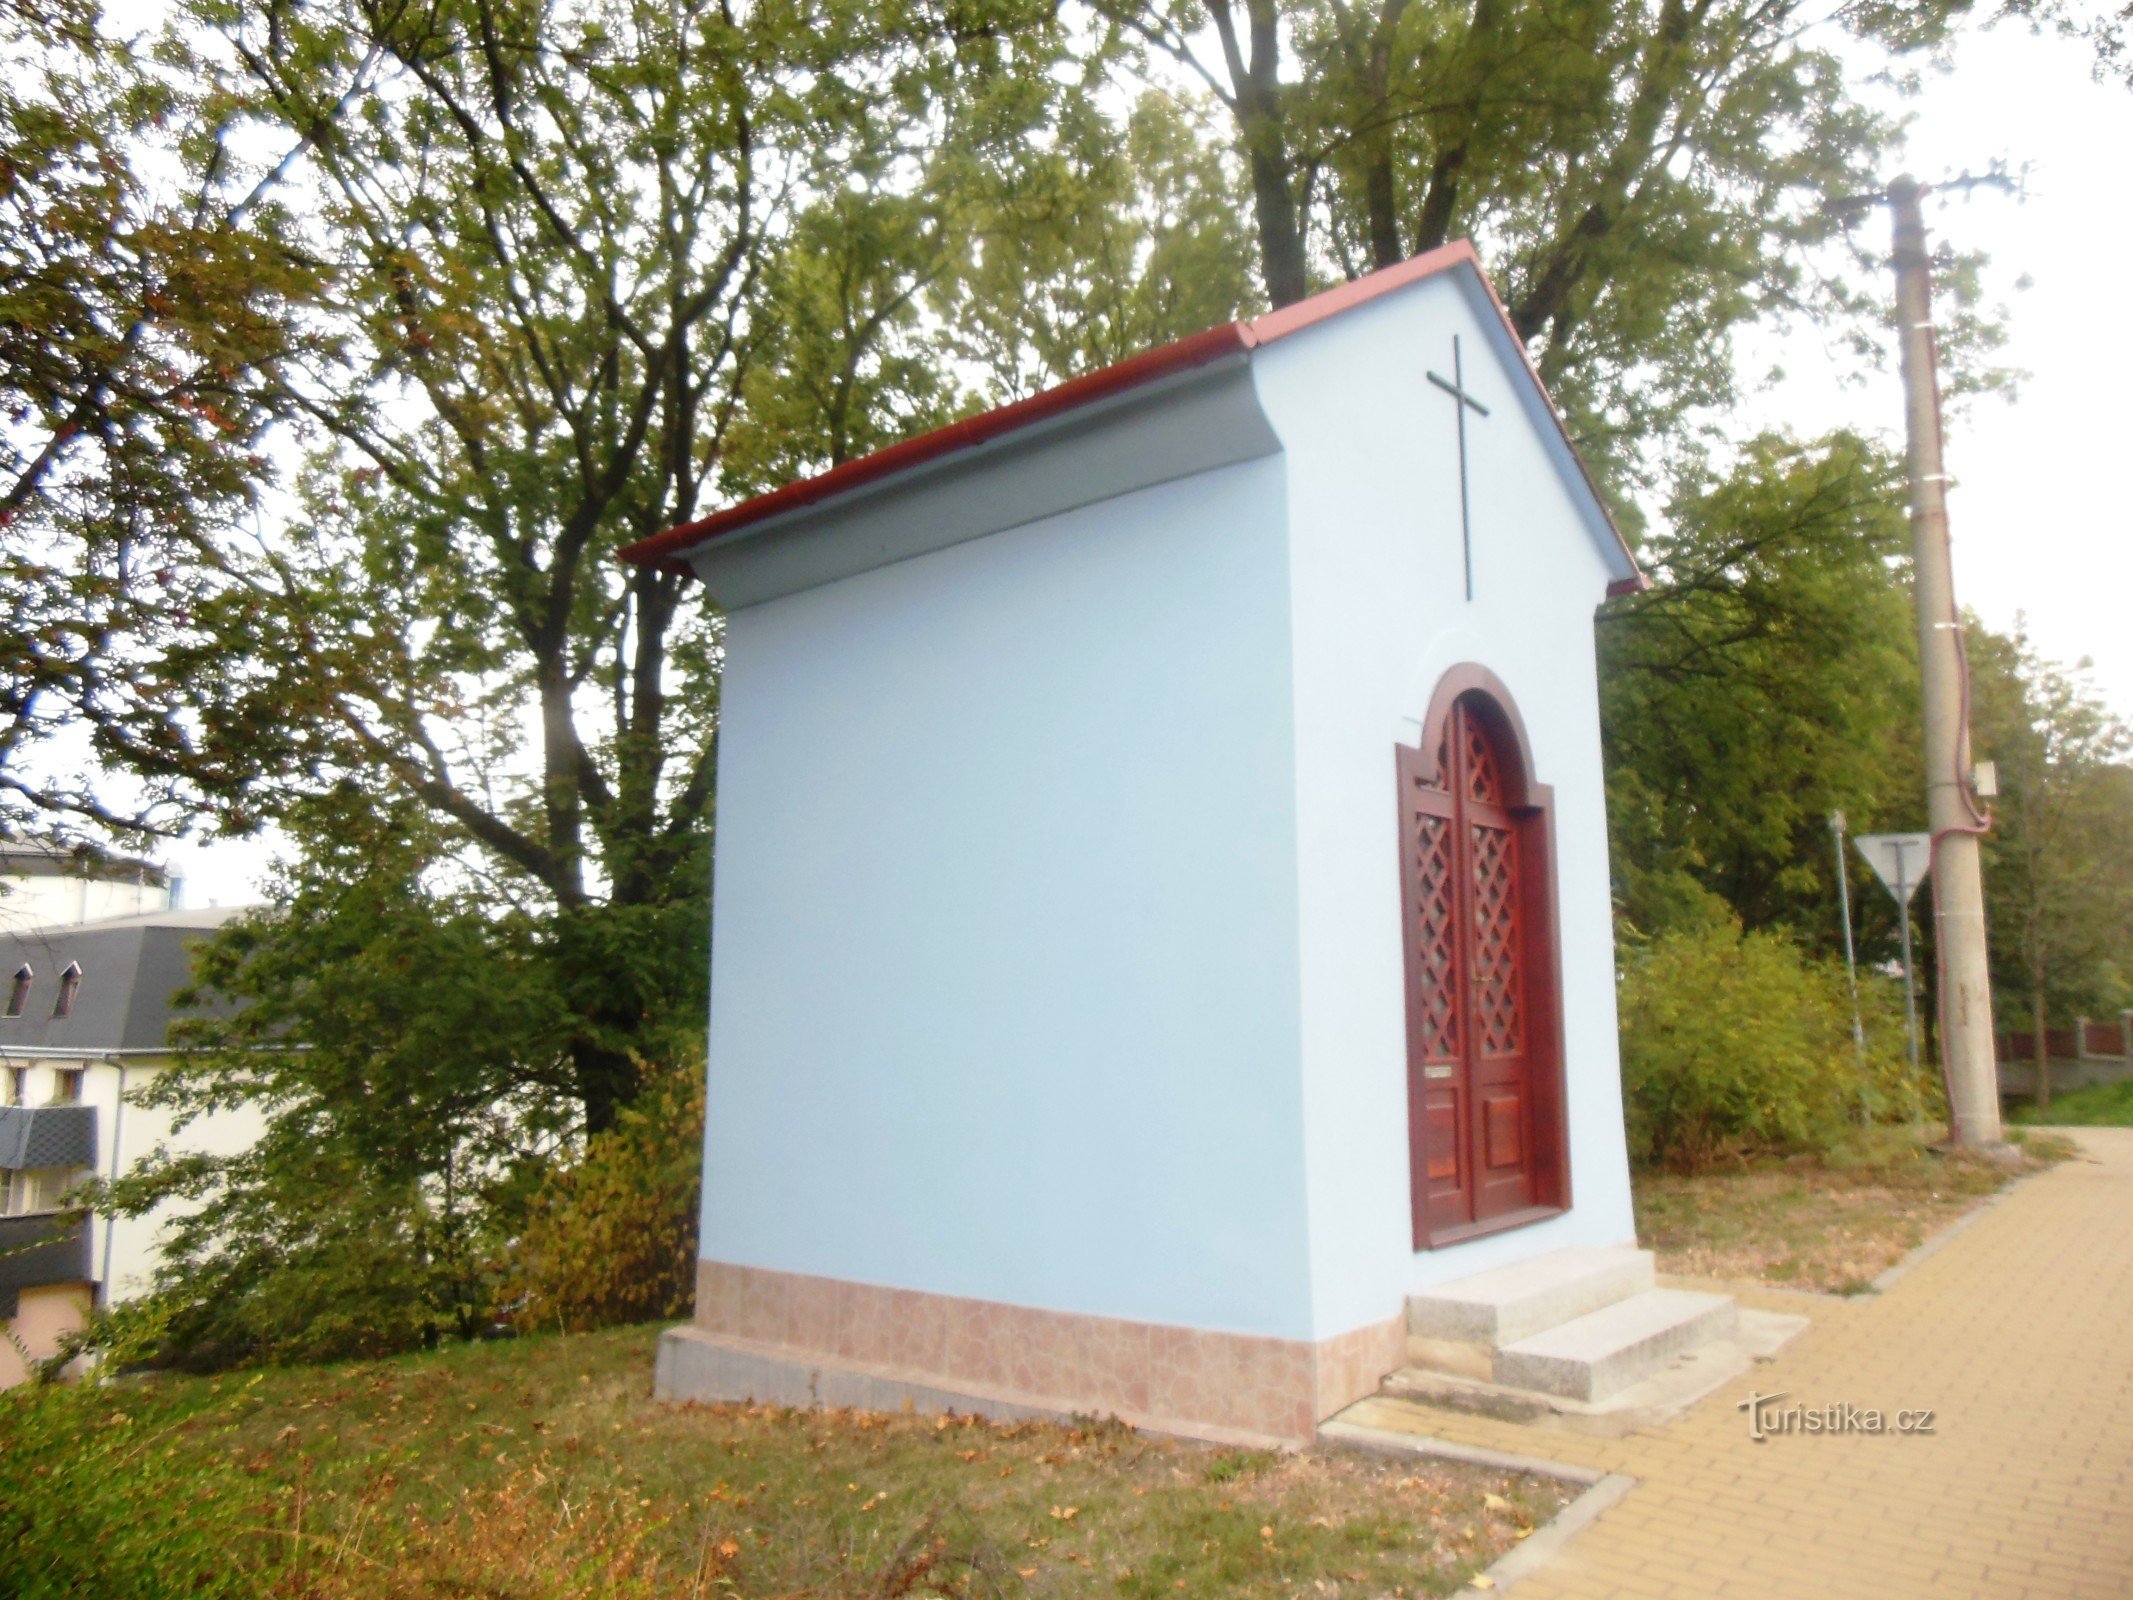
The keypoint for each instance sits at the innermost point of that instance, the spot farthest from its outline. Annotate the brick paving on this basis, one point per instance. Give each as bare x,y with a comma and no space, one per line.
2017,1333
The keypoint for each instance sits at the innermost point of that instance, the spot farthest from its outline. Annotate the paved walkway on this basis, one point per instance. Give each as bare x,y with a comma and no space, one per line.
2018,1334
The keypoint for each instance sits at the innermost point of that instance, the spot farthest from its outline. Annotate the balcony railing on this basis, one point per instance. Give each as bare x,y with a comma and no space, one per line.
47,1136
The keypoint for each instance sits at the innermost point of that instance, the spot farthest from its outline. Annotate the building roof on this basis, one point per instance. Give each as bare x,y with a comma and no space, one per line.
130,969
668,550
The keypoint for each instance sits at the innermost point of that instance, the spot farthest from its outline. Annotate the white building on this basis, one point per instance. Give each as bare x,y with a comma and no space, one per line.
1161,912
84,1018
42,884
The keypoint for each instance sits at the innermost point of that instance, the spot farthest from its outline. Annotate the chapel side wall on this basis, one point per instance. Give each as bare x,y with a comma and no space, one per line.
1379,614
1004,987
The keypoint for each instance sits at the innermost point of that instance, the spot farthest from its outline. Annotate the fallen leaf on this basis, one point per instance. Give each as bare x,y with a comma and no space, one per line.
1025,1572
1066,1513
1496,1502
1481,1580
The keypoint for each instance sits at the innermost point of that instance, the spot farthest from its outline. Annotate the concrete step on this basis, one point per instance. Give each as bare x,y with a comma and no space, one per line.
1605,1351
1502,1306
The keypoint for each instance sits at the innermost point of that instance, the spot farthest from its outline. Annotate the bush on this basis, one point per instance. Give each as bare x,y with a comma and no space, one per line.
1737,1044
613,1238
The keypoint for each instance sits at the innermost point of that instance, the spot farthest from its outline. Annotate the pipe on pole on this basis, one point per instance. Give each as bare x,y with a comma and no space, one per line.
1851,961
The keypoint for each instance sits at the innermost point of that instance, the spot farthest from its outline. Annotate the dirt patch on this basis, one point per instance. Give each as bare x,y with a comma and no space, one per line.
1826,1223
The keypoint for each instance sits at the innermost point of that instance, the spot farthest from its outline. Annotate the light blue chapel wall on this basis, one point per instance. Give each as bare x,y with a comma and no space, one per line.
1004,988
1379,614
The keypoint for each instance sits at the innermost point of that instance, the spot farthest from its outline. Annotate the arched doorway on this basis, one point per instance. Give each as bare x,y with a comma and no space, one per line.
1484,1056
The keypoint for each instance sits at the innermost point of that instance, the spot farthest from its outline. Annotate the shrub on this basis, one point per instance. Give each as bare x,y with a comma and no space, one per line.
1735,1044
613,1238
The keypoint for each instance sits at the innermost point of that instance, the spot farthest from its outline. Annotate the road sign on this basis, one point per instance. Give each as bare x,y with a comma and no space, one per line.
1900,860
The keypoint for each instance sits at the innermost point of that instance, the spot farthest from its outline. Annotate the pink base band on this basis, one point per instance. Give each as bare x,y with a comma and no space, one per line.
1225,1383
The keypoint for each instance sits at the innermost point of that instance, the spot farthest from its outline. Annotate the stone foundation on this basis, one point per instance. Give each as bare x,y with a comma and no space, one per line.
795,1339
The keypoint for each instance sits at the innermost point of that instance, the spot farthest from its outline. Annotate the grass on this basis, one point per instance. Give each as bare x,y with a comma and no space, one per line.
541,1469
2101,1105
1831,1222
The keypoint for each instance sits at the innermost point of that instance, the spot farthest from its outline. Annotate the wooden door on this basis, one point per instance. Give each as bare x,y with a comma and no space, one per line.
1484,1133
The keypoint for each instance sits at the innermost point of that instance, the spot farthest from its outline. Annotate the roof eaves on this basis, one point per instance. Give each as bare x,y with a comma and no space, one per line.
664,550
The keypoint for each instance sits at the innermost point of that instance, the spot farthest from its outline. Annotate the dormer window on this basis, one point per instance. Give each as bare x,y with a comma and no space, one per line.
69,986
18,994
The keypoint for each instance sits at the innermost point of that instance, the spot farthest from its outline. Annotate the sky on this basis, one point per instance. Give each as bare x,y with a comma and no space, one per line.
2039,527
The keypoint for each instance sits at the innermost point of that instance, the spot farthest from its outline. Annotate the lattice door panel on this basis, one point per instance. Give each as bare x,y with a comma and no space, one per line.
1484,774
1498,993
1435,934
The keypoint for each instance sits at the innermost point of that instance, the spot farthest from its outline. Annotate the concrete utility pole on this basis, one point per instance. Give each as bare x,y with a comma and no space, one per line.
1952,812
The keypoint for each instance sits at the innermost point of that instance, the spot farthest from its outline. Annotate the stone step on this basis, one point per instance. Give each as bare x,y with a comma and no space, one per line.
1506,1304
1605,1351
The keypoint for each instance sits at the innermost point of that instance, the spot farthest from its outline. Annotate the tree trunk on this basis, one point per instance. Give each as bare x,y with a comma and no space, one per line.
2043,1046
1254,68
608,1080
1281,246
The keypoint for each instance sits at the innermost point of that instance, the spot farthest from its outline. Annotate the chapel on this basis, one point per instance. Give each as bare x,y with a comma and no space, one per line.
1161,920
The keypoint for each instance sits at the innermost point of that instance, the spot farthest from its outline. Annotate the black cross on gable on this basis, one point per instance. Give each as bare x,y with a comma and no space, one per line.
1455,386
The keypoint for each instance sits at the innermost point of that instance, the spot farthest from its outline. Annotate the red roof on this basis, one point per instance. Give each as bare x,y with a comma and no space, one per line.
665,549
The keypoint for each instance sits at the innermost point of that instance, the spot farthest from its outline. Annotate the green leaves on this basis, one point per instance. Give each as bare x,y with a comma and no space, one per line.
1642,176
2059,859
611,1238
1736,1044
1103,242
404,1047
1768,678
133,310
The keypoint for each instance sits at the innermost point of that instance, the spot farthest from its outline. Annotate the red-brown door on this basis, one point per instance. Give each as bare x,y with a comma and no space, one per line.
1484,1134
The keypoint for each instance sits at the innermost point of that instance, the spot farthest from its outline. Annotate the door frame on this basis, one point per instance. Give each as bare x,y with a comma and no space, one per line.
1532,805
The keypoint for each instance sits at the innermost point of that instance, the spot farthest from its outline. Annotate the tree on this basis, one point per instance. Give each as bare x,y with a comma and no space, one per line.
2106,24
407,1053
133,308
2059,860
1111,241
1643,175
1767,678
580,273
586,270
